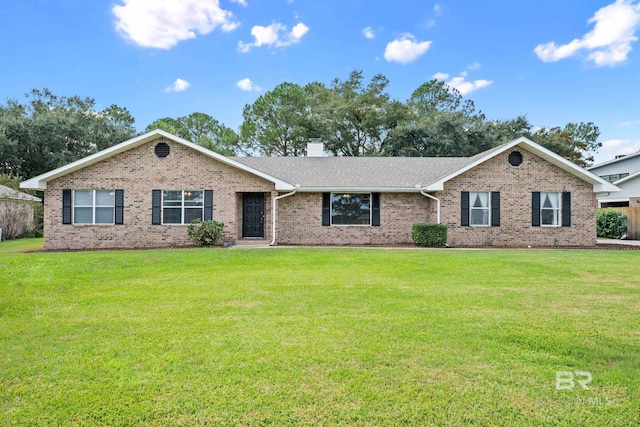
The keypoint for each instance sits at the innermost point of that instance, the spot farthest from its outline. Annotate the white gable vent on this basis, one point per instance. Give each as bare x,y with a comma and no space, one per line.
315,148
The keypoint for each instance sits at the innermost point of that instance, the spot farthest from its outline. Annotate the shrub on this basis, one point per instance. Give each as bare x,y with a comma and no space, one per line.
610,223
429,235
205,233
35,233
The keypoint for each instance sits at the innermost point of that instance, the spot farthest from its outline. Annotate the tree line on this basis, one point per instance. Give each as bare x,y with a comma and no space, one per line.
353,117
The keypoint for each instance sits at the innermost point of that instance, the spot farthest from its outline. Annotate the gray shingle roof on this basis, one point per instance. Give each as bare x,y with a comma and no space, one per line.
10,193
357,172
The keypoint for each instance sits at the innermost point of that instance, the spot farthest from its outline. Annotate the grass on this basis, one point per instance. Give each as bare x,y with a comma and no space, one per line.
321,336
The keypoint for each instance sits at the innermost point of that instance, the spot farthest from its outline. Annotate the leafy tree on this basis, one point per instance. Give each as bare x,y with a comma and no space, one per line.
357,119
435,97
48,131
439,123
576,141
202,129
277,123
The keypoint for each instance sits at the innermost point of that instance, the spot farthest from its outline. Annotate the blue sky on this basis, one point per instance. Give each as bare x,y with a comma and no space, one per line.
554,61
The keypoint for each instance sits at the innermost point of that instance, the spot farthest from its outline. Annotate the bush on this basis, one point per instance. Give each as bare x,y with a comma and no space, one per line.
429,235
205,233
610,223
35,233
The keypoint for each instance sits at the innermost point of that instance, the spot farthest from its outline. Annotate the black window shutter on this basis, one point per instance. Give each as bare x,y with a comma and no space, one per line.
375,209
535,209
66,206
119,205
156,205
566,209
208,205
495,208
326,209
464,208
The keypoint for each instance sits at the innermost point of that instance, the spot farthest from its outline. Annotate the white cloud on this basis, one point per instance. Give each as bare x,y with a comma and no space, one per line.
240,2
616,147
162,24
247,85
274,35
178,86
474,66
405,49
629,123
437,9
461,84
608,43
369,33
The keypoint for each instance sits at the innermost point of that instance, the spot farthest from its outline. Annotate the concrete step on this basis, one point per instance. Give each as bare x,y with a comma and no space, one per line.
250,244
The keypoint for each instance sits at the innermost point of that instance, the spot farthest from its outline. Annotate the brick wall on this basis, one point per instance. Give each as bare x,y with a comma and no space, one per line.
515,185
300,221
138,172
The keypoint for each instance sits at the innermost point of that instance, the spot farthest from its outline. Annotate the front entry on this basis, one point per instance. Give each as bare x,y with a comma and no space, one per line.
253,215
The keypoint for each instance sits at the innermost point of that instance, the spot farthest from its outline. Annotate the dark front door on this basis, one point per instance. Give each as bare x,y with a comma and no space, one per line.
253,215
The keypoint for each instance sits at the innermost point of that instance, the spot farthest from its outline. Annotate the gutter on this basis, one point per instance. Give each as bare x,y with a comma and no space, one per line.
431,197
274,204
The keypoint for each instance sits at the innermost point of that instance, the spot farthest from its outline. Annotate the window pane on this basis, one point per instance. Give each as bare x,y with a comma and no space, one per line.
172,216
83,216
479,200
172,198
83,198
105,197
190,214
104,215
550,216
479,216
350,209
550,200
193,198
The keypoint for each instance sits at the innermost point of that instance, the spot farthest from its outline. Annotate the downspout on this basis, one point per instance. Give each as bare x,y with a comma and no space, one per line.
273,212
431,197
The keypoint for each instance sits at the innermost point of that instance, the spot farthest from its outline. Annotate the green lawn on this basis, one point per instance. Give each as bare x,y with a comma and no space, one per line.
324,336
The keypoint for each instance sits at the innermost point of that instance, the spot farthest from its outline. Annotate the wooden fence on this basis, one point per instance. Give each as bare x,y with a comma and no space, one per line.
633,221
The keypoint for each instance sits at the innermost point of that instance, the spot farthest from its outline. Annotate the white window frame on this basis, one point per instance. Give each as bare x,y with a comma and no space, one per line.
351,225
558,209
182,207
93,207
488,208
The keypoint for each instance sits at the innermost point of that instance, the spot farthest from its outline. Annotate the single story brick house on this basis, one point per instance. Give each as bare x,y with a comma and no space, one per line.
143,192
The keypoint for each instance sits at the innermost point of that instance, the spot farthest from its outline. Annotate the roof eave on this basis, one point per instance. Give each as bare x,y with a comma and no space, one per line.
599,185
40,182
357,189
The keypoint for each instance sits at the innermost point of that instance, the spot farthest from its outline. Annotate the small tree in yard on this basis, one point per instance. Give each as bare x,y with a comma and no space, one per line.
610,223
205,233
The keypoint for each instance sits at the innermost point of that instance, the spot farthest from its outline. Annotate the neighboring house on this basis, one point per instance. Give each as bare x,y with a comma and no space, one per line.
624,172
143,192
16,212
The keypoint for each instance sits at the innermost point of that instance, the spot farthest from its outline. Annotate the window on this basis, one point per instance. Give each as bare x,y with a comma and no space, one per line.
182,207
515,158
93,206
350,209
478,208
614,177
550,209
